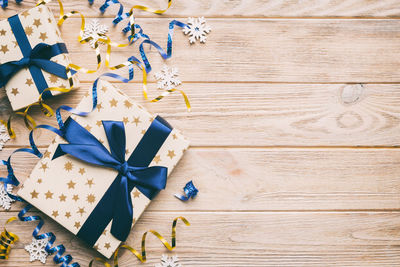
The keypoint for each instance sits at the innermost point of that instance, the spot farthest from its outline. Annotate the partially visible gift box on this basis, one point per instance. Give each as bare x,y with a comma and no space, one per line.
20,36
73,192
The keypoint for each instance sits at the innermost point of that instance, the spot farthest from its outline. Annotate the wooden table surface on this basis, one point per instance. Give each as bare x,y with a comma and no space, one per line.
295,133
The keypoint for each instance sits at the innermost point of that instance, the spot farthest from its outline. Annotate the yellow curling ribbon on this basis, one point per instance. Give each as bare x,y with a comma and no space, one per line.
142,256
47,110
6,240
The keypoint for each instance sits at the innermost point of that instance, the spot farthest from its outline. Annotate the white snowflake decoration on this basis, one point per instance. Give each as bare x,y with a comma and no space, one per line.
169,262
37,250
167,78
197,29
94,29
5,200
4,137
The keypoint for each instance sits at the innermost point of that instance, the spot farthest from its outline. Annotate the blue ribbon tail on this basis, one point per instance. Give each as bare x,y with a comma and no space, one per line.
123,211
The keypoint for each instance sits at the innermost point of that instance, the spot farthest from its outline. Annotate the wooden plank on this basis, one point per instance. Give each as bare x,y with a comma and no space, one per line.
262,114
276,179
249,239
240,8
296,51
301,51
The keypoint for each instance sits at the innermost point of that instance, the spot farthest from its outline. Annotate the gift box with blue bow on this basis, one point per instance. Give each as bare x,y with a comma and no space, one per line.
33,57
98,179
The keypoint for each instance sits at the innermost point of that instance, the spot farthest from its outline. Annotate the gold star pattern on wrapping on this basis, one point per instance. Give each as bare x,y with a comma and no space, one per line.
68,166
174,136
81,211
127,104
34,194
113,102
88,127
157,159
67,214
14,91
136,193
62,198
126,151
43,36
104,232
39,181
104,89
37,23
44,166
71,184
15,44
90,182
46,154
4,49
28,30
55,213
77,225
25,13
107,245
75,198
90,198
171,153
3,32
40,9
125,120
96,247
99,107
49,195
136,121
82,171
29,82
53,78
99,123
101,141
143,131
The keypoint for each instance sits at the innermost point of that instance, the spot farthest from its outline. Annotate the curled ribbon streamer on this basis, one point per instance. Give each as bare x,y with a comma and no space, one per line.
6,240
59,249
132,61
11,179
109,43
142,256
190,192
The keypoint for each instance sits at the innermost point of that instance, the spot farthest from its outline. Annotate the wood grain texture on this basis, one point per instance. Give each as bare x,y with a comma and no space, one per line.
294,132
239,8
295,51
277,179
261,114
233,239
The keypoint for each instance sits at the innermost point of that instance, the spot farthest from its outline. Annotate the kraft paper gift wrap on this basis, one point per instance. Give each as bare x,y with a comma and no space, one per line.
67,189
39,26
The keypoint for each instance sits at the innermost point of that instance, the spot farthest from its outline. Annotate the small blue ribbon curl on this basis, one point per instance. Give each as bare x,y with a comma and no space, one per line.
190,192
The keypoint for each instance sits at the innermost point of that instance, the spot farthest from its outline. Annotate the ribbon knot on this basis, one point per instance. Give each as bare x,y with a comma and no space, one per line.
26,61
116,203
39,57
123,169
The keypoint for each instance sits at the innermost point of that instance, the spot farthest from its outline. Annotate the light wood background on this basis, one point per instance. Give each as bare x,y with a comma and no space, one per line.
295,133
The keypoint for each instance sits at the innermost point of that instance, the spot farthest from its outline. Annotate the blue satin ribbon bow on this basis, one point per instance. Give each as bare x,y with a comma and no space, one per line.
116,204
39,57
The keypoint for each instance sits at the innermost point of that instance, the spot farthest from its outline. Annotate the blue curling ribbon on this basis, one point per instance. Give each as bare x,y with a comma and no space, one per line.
190,192
164,55
11,179
116,203
59,250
